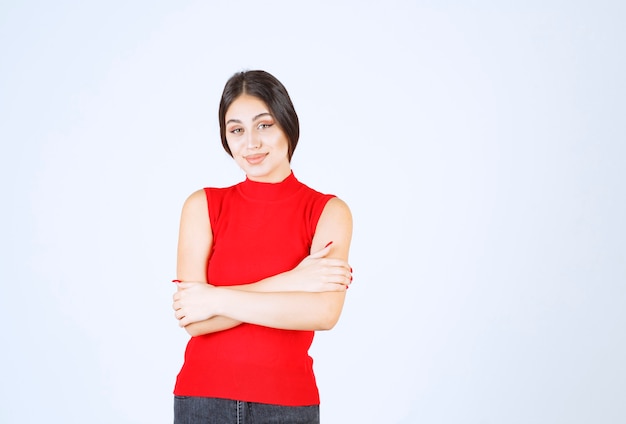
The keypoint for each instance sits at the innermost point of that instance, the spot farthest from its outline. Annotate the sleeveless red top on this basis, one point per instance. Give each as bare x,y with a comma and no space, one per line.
259,230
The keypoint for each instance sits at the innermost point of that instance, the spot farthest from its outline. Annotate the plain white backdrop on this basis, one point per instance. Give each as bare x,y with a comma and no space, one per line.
480,146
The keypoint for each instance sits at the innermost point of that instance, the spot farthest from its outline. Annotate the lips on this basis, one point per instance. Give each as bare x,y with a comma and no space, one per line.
255,158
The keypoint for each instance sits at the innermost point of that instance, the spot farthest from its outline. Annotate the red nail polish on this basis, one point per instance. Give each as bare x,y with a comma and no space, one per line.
329,243
176,281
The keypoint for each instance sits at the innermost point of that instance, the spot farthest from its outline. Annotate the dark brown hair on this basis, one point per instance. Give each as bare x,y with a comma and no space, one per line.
272,92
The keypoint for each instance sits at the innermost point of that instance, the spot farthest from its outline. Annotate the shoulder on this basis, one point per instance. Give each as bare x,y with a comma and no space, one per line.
195,208
334,225
324,201
200,198
336,210
336,217
327,206
197,199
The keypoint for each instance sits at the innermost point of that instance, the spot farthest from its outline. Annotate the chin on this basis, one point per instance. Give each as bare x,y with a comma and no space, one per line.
255,173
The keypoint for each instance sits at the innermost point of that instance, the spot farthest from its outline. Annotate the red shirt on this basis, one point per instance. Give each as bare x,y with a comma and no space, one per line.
259,230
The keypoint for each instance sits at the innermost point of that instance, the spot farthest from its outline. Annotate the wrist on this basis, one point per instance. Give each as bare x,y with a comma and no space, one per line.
217,301
283,281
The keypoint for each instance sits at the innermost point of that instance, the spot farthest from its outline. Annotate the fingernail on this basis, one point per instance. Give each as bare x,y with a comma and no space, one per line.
329,243
176,281
350,270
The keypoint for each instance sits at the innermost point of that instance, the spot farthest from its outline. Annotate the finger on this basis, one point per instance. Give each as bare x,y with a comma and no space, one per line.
189,284
338,279
338,272
331,287
347,279
322,252
335,262
339,286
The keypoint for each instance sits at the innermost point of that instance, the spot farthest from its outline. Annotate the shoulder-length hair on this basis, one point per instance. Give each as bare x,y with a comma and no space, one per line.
272,92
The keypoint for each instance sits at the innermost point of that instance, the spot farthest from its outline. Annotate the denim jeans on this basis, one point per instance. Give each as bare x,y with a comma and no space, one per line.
200,410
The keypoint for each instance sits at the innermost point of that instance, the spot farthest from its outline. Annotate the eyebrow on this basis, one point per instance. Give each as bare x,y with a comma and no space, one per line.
238,121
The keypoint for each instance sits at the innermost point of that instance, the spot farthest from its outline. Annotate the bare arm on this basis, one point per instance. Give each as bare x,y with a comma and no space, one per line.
302,310
195,240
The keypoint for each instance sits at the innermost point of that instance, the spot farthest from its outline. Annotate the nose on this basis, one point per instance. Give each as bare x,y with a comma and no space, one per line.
254,140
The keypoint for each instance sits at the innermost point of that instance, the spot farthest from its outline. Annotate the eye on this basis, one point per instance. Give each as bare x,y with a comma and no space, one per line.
236,130
264,126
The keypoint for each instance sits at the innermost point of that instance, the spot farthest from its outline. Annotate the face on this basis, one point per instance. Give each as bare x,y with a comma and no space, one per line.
256,141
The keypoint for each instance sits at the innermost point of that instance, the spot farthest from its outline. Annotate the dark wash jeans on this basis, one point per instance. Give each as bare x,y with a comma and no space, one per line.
200,410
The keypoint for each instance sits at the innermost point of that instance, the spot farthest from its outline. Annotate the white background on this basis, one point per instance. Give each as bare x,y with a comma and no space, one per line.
480,146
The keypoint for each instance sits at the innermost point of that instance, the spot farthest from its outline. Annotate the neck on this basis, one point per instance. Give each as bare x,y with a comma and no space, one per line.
262,191
275,177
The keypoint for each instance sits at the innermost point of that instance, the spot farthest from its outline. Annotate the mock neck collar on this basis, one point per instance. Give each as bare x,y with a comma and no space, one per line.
270,191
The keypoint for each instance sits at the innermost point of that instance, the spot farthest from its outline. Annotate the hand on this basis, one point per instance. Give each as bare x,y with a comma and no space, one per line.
193,302
317,273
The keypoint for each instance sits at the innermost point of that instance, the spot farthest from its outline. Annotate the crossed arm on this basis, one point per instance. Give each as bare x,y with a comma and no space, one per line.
308,297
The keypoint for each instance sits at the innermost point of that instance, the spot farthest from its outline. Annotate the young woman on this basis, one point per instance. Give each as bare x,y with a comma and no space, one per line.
261,266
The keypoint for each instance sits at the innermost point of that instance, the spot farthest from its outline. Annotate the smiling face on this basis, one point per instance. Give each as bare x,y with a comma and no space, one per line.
256,141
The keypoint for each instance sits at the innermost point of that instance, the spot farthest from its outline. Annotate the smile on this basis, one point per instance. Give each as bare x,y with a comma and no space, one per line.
255,158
